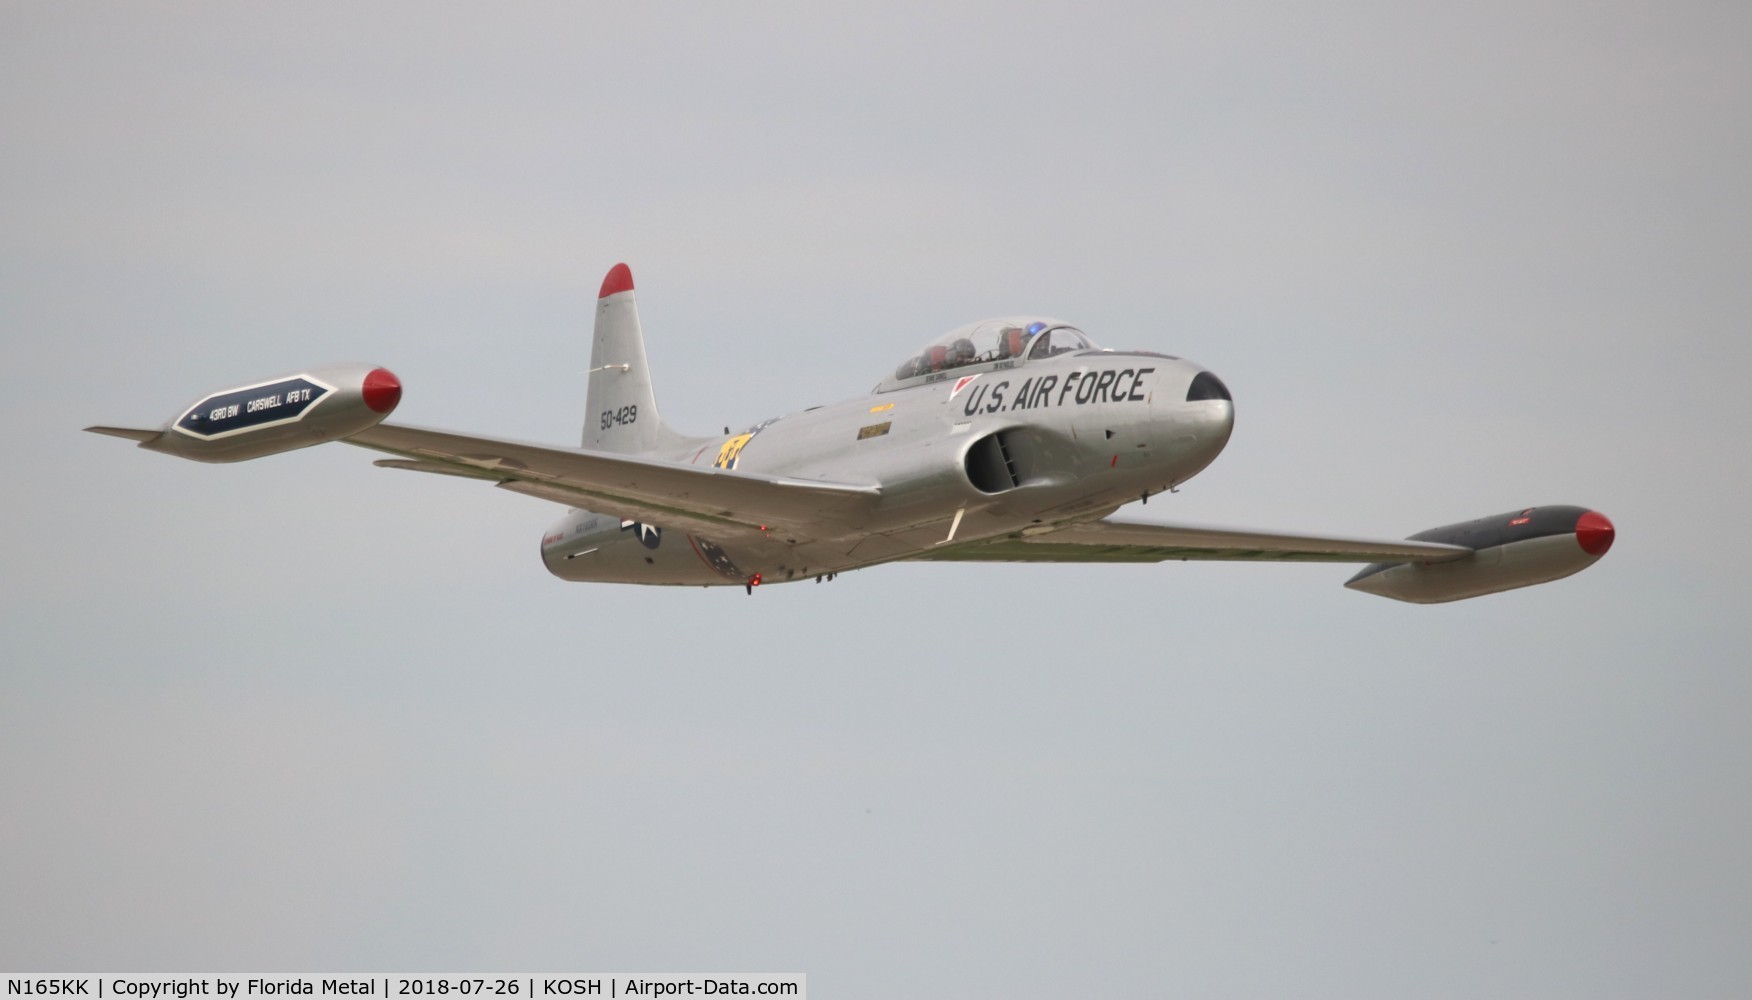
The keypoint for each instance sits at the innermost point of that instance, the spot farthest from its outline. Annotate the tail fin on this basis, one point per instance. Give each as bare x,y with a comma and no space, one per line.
620,409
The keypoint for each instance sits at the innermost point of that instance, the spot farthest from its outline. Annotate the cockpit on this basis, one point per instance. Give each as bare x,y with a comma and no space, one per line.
986,346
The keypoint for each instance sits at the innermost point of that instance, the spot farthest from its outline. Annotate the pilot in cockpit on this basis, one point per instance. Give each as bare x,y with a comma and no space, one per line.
1005,342
961,353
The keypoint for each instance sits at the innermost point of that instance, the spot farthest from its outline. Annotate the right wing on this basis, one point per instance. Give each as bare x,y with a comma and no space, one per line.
1486,555
653,491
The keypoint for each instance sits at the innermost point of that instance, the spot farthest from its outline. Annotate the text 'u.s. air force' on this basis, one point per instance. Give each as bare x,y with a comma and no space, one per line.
1077,389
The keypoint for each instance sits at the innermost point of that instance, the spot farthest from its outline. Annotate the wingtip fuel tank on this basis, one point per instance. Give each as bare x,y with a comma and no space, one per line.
275,415
1517,549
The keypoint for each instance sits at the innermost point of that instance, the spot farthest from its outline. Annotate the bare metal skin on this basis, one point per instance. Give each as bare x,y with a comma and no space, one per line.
1010,440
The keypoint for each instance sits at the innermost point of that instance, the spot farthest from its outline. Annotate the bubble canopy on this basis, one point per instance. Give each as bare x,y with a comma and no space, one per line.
1004,342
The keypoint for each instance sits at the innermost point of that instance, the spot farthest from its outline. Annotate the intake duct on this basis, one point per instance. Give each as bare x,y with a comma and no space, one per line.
991,463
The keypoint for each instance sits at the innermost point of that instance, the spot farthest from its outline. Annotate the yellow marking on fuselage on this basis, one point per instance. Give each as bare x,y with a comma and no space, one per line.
884,406
730,451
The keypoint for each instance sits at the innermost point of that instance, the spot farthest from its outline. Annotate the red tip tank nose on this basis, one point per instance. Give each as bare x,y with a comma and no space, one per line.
1594,533
382,390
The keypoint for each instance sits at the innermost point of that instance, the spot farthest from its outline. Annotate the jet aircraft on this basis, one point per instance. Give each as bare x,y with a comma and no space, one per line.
1008,440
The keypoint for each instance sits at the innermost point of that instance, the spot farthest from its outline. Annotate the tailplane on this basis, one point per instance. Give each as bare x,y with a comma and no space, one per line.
620,409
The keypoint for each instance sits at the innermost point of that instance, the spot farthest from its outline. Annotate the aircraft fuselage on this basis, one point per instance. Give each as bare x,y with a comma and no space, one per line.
964,455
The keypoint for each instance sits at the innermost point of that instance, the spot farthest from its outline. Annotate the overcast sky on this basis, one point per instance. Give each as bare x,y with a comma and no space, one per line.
302,714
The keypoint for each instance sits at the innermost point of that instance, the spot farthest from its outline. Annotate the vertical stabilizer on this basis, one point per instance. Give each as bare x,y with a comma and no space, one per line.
620,409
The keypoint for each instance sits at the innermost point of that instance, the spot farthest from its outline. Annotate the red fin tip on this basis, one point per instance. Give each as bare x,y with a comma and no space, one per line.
620,279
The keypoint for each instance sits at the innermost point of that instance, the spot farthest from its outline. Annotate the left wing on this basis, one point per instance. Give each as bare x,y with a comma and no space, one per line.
349,402
645,489
1112,540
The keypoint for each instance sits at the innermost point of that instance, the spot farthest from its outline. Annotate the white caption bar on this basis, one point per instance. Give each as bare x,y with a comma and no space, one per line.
402,986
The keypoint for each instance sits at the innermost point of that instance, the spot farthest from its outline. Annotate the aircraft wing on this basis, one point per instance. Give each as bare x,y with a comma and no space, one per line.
653,491
1112,540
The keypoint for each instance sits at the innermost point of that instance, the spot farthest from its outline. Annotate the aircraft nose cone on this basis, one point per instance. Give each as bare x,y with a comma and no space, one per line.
1193,430
1594,533
1219,422
1217,405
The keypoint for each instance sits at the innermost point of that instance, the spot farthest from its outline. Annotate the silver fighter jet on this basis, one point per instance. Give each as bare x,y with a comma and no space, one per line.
1008,440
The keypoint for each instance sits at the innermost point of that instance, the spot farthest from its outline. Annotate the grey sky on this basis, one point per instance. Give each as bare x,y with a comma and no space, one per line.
306,714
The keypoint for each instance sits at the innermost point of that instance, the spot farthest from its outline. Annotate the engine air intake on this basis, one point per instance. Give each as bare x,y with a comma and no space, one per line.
991,467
